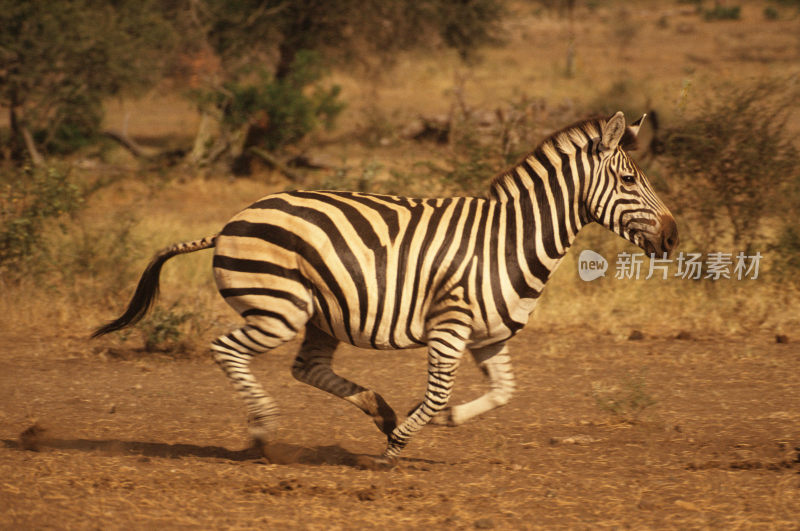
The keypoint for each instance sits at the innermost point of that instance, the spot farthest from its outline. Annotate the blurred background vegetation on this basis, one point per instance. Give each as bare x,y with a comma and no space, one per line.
127,125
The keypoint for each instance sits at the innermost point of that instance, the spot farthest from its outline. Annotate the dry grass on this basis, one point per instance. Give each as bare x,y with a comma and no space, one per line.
163,210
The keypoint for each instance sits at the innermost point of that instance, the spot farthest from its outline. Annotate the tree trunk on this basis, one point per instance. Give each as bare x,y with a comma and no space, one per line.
206,143
20,130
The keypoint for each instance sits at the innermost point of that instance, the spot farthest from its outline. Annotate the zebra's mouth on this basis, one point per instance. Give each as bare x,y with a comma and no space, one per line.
645,241
649,247
657,243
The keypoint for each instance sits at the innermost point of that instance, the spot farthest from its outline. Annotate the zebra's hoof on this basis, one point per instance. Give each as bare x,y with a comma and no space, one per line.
368,462
444,418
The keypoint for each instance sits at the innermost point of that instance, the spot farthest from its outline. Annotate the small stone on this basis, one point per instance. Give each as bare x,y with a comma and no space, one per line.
689,506
683,335
483,523
31,437
574,439
369,494
636,335
781,338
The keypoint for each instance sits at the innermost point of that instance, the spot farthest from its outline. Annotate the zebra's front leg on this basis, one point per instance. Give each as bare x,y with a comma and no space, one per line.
445,348
495,364
313,366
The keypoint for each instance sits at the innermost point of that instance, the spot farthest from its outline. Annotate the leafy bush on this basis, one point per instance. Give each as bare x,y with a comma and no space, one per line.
60,60
733,161
472,160
162,329
74,124
30,199
100,253
277,112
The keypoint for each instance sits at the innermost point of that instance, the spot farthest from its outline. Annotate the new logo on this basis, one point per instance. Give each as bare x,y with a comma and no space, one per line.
591,265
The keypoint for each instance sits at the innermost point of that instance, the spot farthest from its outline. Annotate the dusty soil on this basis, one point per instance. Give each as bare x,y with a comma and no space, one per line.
95,437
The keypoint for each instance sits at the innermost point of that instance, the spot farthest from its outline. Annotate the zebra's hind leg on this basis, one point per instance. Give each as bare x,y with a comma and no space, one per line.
495,364
233,353
313,366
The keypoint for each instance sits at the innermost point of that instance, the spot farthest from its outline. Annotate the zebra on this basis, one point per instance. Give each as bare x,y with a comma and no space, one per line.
450,274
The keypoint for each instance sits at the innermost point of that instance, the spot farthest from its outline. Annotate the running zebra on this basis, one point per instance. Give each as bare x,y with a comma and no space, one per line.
387,272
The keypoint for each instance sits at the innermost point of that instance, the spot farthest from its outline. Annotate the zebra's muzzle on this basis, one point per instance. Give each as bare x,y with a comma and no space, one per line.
665,240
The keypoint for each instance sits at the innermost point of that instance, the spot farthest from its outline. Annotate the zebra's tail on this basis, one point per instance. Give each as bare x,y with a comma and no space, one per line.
147,289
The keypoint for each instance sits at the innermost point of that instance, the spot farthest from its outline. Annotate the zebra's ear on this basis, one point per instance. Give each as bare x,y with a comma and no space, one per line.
634,127
612,132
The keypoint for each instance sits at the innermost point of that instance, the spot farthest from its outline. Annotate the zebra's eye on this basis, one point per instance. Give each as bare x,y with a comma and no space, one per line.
628,178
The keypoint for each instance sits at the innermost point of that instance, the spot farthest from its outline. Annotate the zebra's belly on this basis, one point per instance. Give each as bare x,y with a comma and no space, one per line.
388,330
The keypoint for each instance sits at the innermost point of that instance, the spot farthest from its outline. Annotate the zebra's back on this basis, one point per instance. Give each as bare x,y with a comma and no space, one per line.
365,268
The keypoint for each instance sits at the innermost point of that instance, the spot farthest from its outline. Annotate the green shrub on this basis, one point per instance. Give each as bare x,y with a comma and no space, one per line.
163,328
277,112
733,161
471,161
30,201
74,125
100,253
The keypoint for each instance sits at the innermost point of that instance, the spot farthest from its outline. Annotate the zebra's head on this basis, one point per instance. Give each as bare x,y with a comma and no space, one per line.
620,197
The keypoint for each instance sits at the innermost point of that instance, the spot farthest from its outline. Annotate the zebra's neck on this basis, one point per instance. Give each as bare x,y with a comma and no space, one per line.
542,201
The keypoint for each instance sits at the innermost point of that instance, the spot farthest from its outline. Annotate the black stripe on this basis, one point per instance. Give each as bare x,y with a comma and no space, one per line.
431,228
556,207
543,206
243,265
567,178
529,228
473,217
494,273
479,253
513,268
250,338
581,158
402,260
268,313
268,292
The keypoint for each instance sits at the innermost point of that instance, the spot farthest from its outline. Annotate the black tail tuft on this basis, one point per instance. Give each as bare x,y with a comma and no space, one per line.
143,298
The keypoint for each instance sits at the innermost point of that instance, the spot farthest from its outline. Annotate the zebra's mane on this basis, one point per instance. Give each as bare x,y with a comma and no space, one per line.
567,140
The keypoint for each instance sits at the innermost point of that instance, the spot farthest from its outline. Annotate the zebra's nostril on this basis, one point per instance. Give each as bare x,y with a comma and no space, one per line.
669,231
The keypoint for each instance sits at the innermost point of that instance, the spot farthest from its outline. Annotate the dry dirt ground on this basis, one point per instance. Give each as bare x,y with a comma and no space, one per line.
125,439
